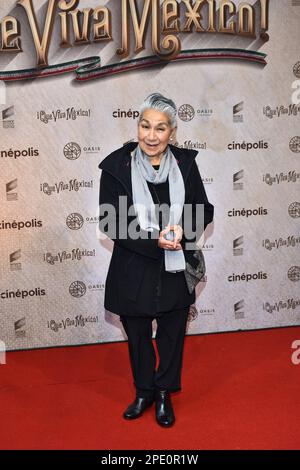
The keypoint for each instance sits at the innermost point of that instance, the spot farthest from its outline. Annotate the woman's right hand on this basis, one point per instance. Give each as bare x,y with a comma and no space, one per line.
167,244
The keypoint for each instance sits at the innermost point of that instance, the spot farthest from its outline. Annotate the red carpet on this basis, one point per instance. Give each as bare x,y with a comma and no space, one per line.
240,391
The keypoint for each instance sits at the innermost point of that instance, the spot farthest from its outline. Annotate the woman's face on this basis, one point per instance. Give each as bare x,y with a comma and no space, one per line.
154,132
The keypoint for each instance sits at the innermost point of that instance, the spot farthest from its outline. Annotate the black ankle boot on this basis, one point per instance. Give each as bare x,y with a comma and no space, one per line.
163,408
136,409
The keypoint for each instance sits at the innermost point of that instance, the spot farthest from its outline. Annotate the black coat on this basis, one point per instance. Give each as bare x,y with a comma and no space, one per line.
133,278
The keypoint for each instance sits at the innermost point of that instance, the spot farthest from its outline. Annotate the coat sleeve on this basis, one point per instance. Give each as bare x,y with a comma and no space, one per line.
110,191
200,197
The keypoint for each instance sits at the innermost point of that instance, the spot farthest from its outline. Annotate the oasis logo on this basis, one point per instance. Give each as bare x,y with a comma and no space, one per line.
77,289
72,151
293,273
74,221
295,144
294,210
186,112
296,68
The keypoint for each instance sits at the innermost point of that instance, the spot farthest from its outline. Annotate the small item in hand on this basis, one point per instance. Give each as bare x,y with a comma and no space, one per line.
170,235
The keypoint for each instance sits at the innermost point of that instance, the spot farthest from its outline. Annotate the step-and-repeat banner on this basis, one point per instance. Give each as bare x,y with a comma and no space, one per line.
73,74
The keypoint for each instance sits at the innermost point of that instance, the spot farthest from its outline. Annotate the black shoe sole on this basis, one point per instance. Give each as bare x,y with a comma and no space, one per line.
165,425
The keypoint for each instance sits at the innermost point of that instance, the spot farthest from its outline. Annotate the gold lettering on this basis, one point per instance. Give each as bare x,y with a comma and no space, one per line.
231,28
211,16
123,51
264,19
67,5
169,15
170,42
102,30
82,38
139,29
11,41
94,24
41,45
64,24
193,16
246,11
65,39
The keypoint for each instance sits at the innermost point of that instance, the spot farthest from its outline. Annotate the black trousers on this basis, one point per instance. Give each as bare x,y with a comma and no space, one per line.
170,334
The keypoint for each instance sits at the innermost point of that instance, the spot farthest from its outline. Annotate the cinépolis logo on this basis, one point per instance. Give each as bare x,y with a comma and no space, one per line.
162,20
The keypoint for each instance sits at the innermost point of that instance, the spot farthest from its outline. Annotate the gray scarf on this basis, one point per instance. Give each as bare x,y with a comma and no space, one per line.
141,172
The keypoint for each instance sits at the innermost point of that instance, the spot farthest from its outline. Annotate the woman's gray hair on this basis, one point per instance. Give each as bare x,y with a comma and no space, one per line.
162,104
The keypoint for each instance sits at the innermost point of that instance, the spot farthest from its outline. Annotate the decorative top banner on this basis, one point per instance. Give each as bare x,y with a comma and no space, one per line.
168,19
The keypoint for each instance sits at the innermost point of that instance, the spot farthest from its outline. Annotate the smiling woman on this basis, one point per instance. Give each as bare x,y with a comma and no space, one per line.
146,276
154,132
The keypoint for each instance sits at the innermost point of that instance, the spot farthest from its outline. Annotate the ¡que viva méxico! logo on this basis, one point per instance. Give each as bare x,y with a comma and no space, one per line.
167,18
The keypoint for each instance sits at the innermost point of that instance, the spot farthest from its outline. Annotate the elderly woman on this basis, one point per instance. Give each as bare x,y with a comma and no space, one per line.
146,278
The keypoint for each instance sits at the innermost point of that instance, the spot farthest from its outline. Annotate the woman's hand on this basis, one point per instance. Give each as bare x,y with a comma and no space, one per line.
169,244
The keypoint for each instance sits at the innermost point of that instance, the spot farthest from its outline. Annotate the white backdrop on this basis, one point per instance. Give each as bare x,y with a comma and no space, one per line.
55,131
